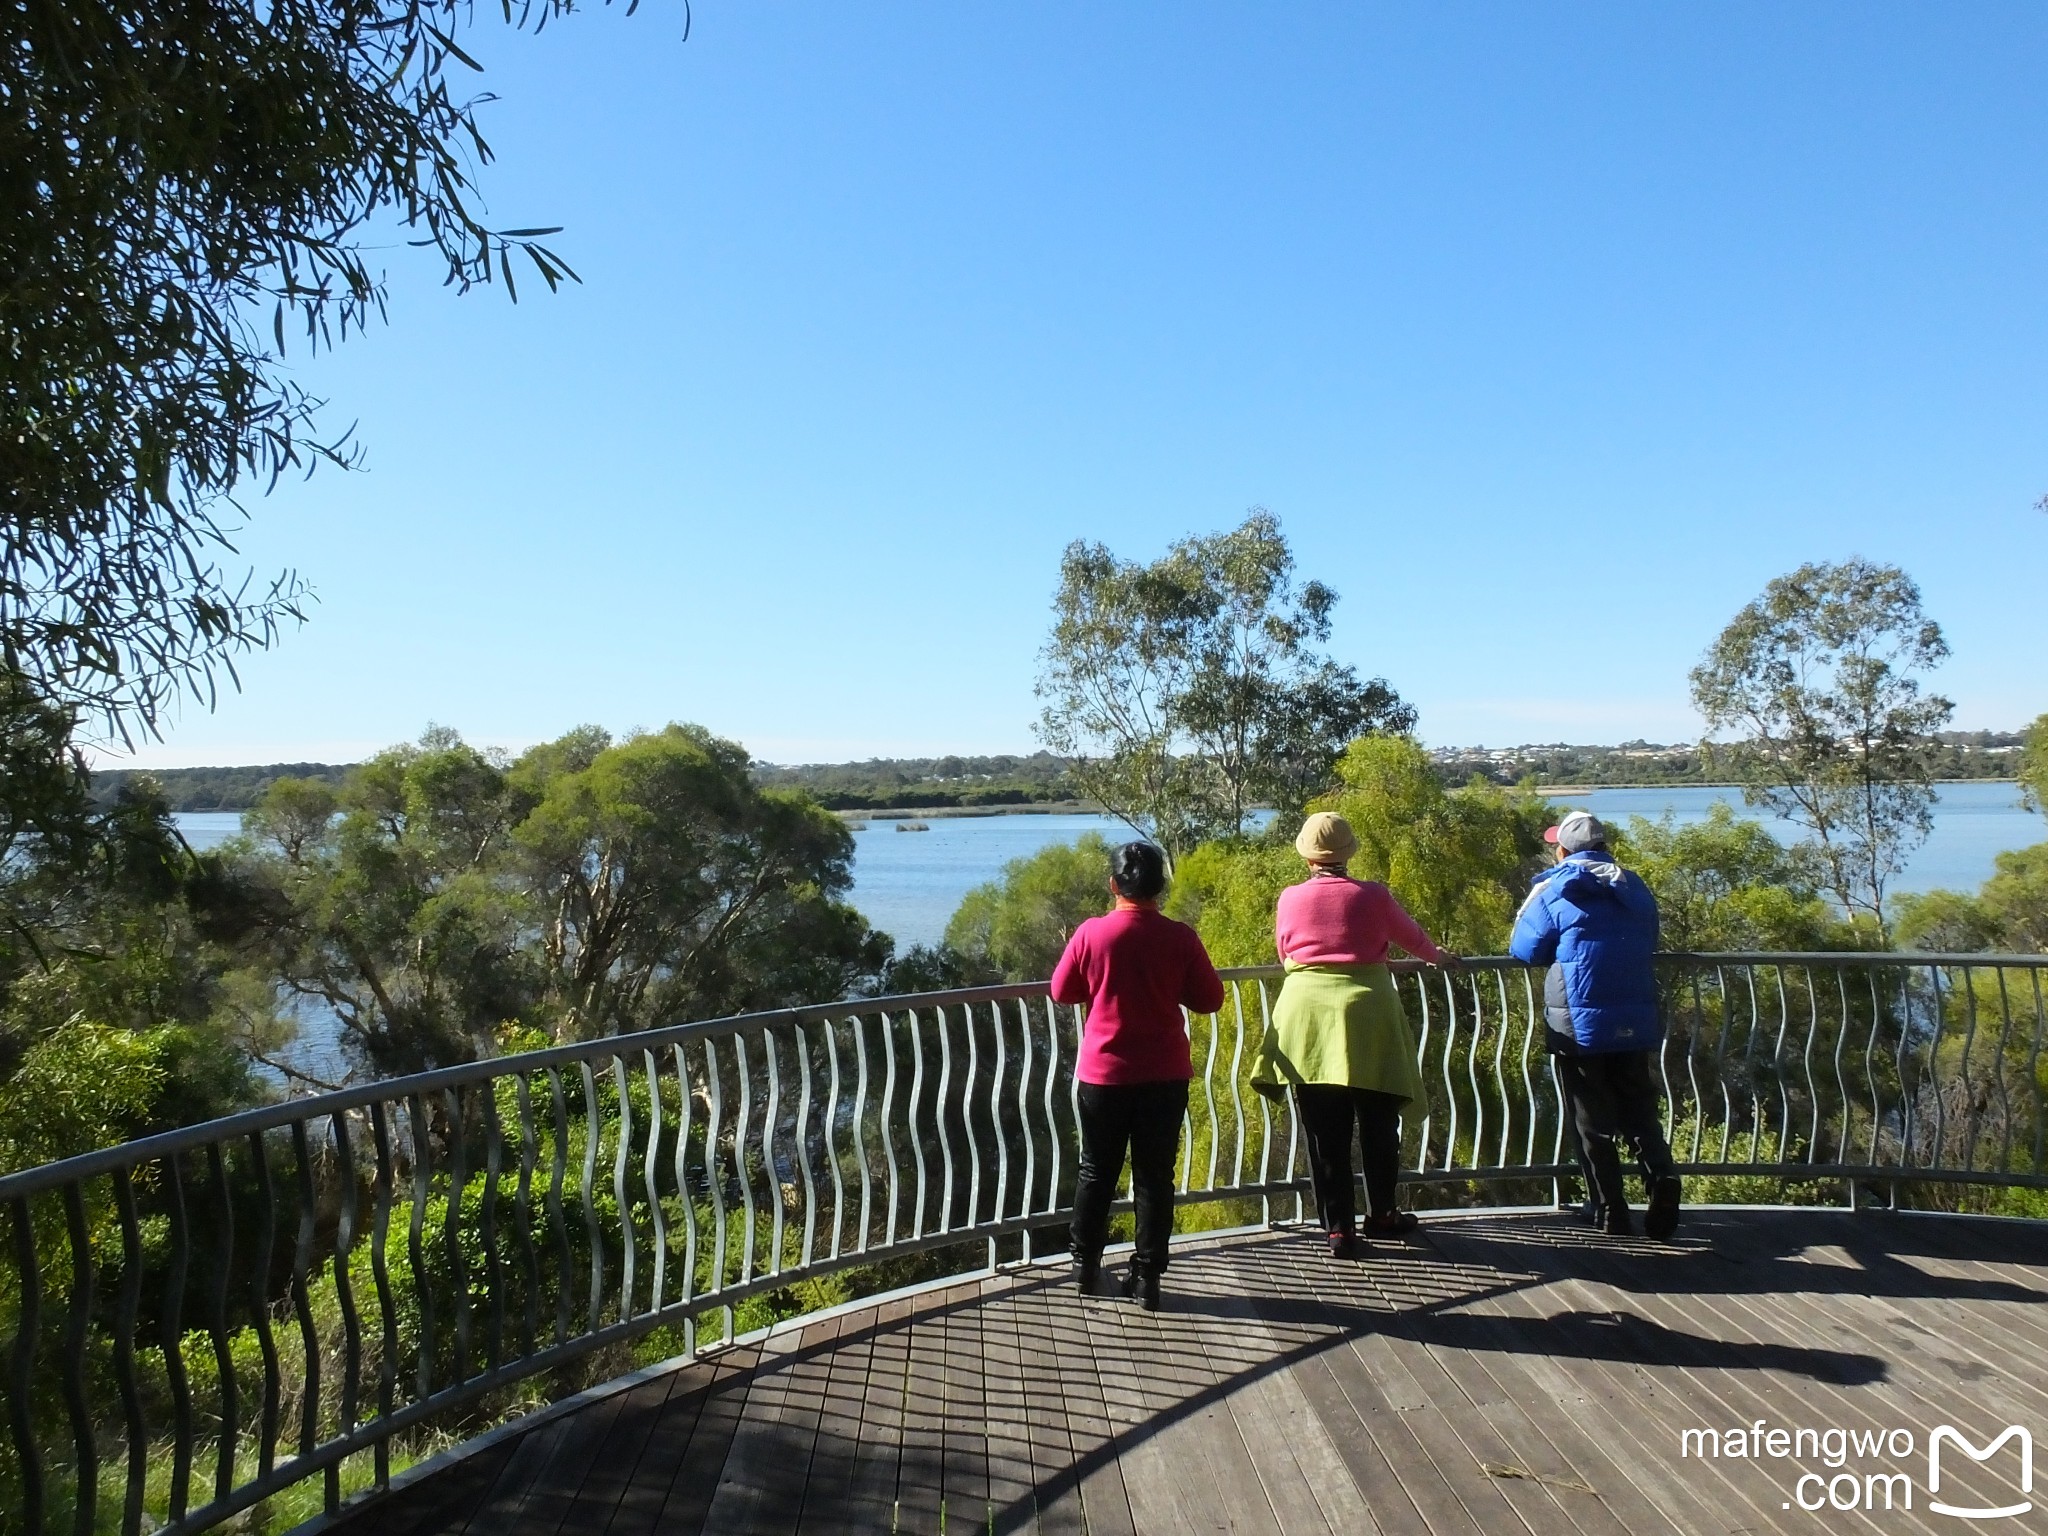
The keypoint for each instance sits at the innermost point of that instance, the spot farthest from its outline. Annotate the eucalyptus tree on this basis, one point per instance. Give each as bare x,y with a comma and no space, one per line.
386,904
1727,884
1016,927
1819,682
184,184
666,885
2034,765
1459,859
1188,690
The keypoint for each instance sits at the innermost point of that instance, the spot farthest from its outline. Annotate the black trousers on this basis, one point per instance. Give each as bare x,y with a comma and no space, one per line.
1612,1098
1329,1114
1143,1120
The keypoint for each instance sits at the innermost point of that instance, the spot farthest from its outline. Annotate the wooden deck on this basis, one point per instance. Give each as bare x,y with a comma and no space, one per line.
1503,1374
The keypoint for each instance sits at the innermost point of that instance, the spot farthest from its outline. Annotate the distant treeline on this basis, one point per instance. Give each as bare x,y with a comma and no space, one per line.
215,789
903,783
898,783
1961,755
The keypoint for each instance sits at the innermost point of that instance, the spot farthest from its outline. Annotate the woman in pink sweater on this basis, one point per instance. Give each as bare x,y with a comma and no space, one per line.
1136,969
1338,1038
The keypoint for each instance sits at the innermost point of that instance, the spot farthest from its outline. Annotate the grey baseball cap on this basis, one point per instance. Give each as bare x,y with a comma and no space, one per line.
1577,832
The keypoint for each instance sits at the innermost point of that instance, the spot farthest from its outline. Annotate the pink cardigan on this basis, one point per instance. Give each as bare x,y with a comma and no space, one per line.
1335,920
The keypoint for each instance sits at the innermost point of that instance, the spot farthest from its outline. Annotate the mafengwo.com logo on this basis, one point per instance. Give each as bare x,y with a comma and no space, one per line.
1878,1469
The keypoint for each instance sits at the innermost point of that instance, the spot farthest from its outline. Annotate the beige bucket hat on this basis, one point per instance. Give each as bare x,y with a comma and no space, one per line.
1326,838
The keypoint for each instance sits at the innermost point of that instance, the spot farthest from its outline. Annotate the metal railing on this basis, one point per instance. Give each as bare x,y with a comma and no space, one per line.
200,1320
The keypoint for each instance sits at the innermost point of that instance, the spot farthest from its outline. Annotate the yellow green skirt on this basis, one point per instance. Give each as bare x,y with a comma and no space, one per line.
1339,1024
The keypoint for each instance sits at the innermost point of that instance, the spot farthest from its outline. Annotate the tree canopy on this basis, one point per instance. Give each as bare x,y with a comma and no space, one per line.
2034,765
1725,884
1458,859
184,185
1189,690
1819,679
590,887
1015,927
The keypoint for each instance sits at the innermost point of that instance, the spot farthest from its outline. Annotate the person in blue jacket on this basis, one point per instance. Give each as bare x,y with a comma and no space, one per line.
1595,925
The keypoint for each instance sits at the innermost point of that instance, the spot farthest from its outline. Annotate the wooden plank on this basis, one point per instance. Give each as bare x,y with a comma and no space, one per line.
878,1456
1602,1398
523,1471
1279,1392
1060,1428
1179,1350
1724,1378
640,1506
1272,1273
826,1510
695,1482
807,1382
1440,1474
963,1407
436,1504
1305,1481
1906,1398
1350,1316
1168,1487
920,1476
1535,1439
1744,1395
553,1494
1989,1334
1078,1399
760,1486
1012,1473
1458,1437
610,1469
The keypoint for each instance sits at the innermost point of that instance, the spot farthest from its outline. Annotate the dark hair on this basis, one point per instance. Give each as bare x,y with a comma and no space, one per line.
1138,871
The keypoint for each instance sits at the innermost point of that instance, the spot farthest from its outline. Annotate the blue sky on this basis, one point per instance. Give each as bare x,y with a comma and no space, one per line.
1550,333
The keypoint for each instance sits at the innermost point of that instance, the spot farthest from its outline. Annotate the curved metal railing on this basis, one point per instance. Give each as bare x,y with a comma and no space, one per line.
204,1320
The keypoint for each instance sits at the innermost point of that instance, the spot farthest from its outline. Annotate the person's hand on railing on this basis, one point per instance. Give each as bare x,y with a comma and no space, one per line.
1447,961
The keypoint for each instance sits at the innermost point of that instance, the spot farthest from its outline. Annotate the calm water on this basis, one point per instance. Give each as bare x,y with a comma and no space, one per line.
908,883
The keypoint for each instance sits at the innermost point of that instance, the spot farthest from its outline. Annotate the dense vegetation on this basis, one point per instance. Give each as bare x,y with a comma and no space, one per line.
882,783
922,783
211,789
1187,691
1952,754
1042,778
1460,860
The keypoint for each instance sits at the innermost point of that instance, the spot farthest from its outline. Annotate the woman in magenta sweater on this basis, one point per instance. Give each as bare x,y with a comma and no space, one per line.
1136,969
1338,1036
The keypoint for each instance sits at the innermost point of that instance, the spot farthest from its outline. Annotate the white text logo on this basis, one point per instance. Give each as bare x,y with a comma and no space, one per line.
1972,1512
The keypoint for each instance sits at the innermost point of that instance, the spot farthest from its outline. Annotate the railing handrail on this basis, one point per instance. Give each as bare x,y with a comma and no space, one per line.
650,1180
267,1117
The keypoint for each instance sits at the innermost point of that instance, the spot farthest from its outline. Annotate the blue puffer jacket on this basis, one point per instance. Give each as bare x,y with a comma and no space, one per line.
1595,925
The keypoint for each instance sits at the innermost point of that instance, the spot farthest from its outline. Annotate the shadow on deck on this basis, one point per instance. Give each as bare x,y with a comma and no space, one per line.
1500,1373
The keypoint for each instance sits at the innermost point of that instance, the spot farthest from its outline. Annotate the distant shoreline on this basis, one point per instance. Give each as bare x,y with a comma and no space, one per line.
954,812
1083,808
1589,789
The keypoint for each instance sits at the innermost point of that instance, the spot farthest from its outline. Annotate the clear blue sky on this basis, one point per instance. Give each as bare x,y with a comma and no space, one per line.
1551,333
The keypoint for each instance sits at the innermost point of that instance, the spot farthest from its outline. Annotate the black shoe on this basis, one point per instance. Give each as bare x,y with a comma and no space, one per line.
1393,1224
1344,1245
1660,1220
1619,1223
1087,1273
1142,1288
1591,1213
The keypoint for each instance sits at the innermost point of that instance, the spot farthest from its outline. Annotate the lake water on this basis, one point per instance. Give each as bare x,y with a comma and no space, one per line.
908,883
